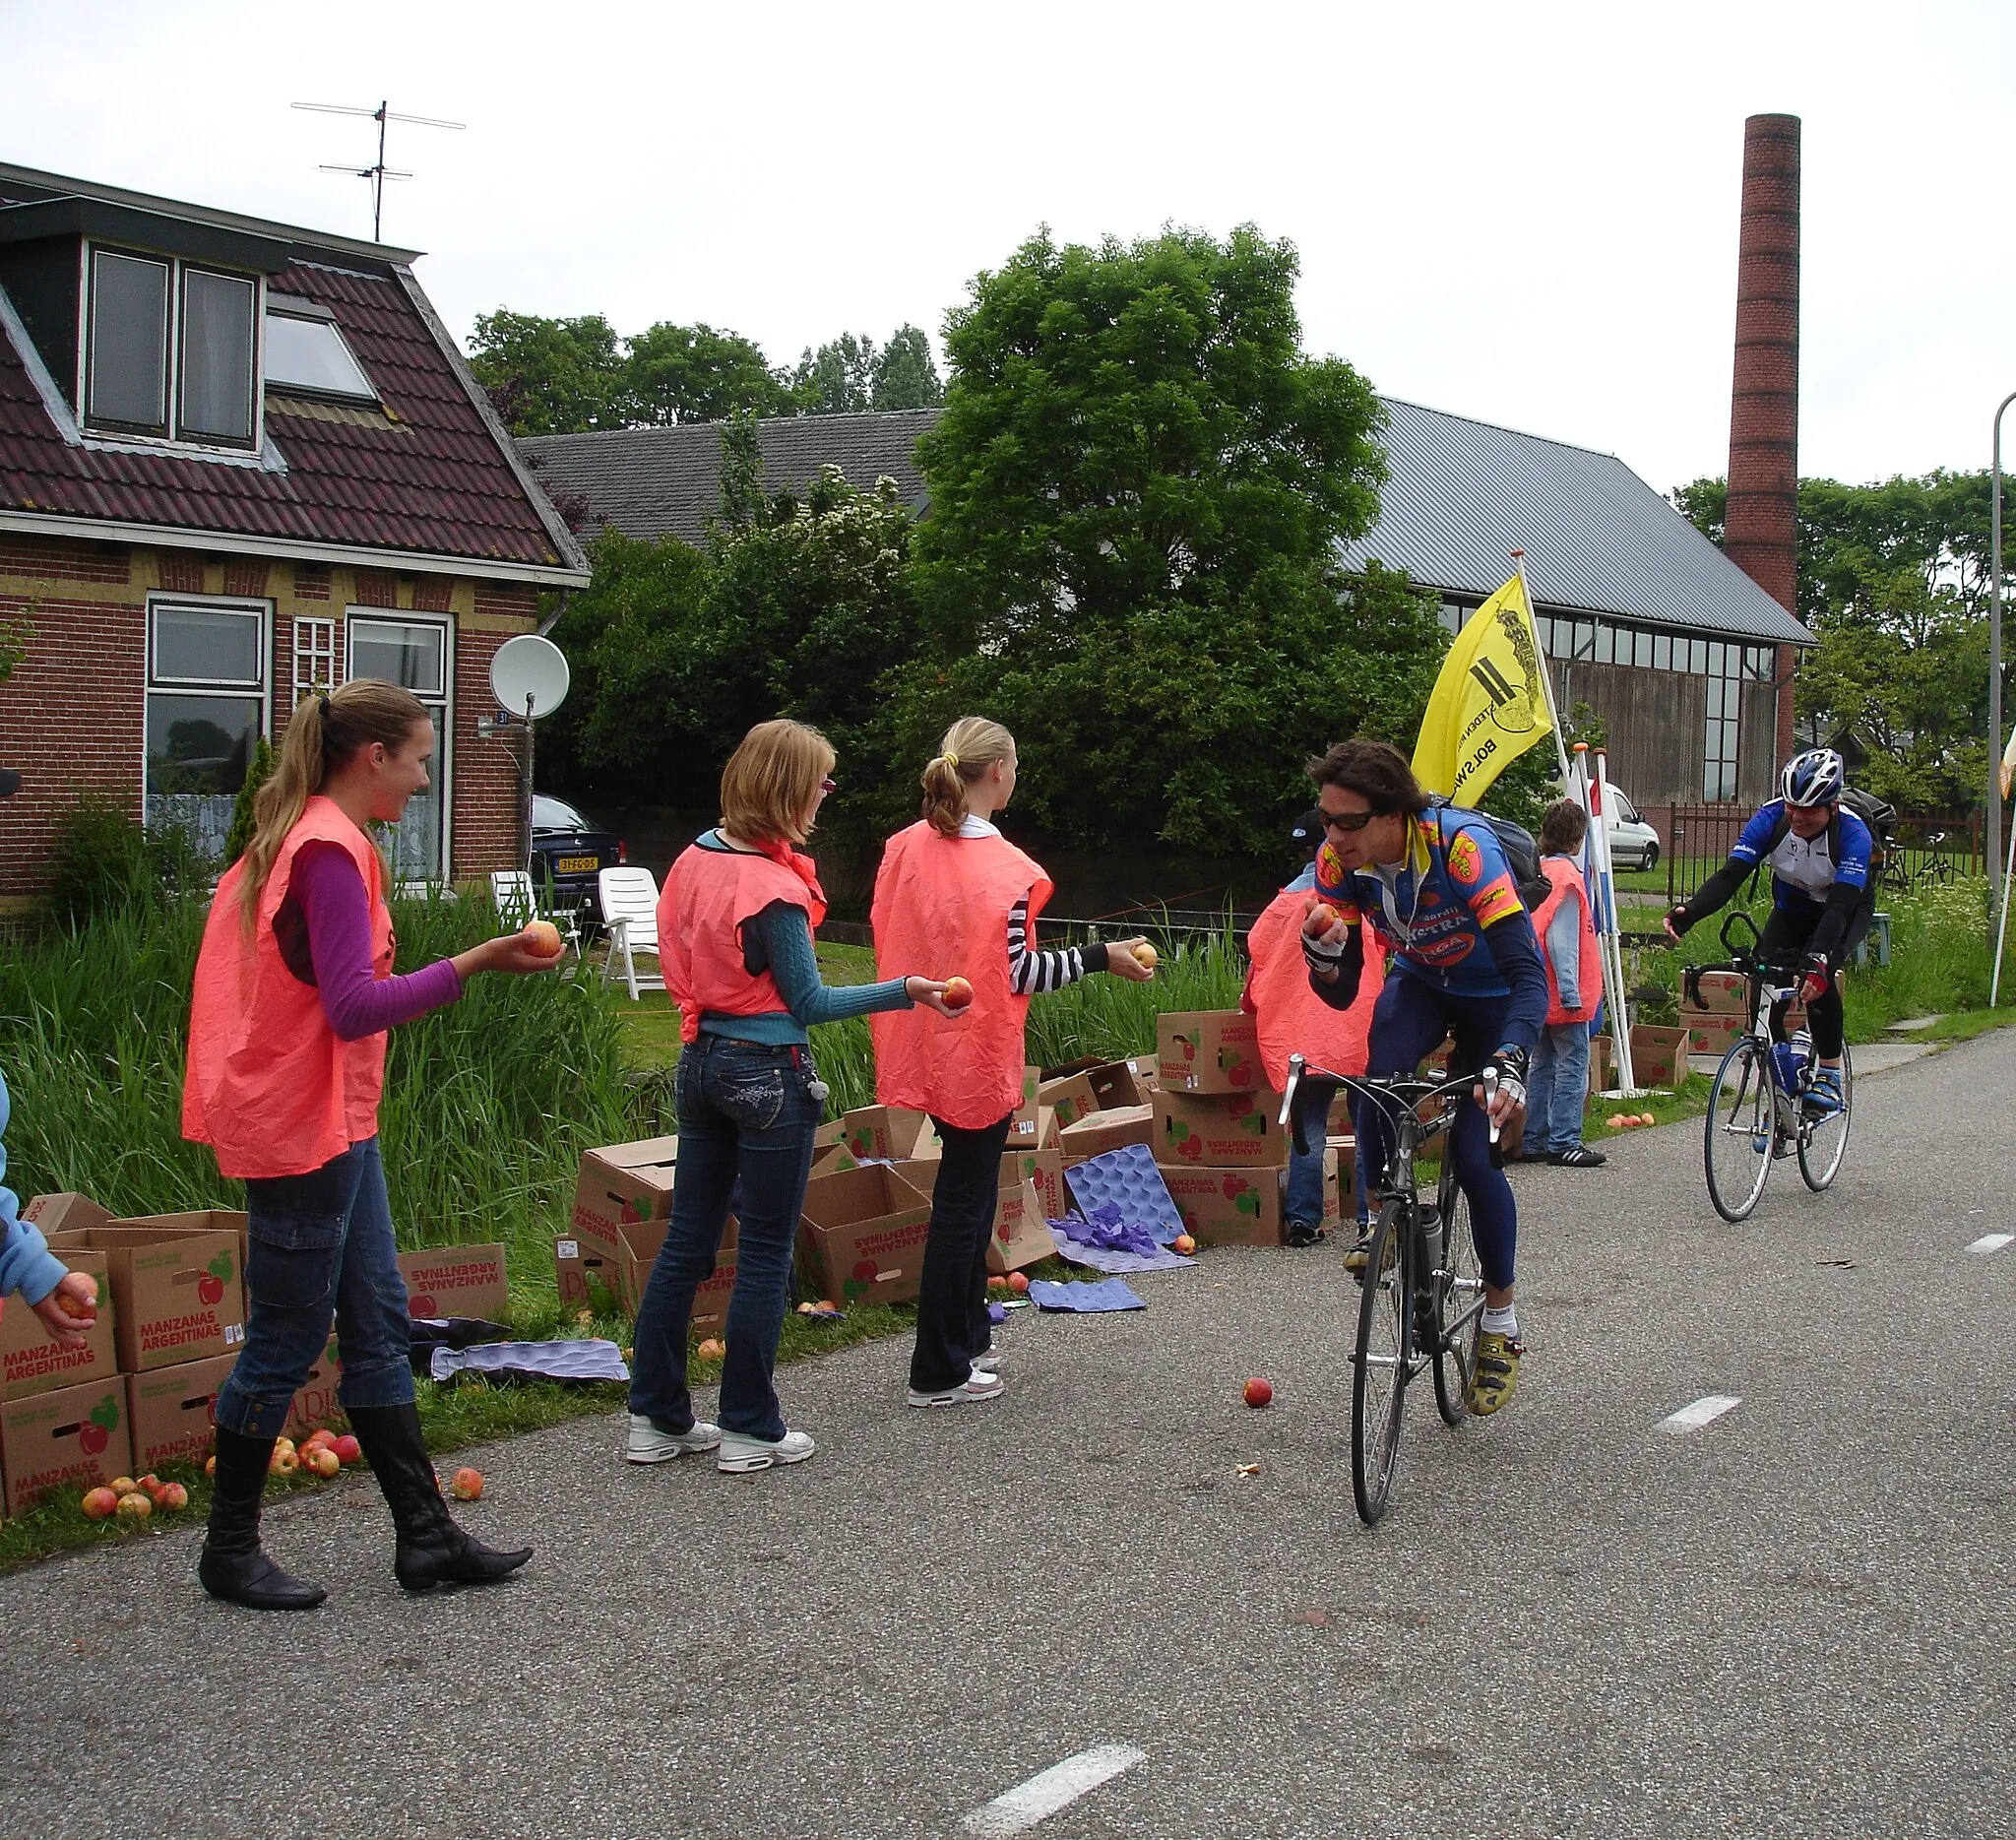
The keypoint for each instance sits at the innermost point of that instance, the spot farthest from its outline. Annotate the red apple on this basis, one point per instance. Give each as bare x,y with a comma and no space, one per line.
711,1349
541,939
151,1487
173,1498
324,1461
1018,1281
958,994
209,1466
285,1460
101,1505
466,1485
348,1450
1183,1244
1259,1392
1325,917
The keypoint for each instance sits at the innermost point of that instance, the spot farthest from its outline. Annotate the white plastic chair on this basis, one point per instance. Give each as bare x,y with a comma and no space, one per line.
630,912
516,899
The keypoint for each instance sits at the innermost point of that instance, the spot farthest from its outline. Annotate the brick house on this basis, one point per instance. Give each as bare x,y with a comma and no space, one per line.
239,460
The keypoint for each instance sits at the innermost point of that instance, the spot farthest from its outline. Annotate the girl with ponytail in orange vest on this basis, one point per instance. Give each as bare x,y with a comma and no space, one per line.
294,993
735,927
955,892
1556,1088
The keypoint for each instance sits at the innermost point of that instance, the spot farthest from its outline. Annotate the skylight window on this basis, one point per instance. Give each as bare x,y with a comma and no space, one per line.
304,351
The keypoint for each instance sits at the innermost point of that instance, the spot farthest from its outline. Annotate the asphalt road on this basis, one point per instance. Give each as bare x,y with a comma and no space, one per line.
1794,1621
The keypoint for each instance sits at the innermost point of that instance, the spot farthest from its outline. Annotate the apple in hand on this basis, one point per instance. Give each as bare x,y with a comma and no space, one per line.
543,940
1146,957
958,994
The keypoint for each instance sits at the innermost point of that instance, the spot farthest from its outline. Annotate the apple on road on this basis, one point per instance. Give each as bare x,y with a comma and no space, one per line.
1259,1392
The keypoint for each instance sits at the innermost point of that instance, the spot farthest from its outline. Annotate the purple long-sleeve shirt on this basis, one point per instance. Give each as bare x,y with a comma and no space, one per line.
324,931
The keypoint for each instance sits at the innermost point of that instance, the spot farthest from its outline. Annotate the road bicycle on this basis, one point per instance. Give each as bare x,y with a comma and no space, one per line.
1423,1289
1761,1105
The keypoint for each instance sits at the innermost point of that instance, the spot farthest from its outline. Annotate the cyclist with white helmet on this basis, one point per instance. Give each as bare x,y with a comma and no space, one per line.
1821,897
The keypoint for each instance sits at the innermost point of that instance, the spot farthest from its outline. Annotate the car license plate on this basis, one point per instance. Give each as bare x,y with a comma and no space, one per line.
575,866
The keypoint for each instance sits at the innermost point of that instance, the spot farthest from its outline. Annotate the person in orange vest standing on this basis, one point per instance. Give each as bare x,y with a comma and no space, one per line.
953,891
1558,1088
734,925
1292,1019
293,995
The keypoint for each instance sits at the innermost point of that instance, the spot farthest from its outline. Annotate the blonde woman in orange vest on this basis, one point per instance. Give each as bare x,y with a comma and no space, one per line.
294,993
734,925
955,893
1557,1087
1289,1018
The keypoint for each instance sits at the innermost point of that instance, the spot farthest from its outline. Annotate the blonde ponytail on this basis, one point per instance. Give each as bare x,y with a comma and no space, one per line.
971,746
325,731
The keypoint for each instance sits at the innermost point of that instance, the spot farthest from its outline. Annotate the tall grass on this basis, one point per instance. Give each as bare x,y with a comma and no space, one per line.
488,1103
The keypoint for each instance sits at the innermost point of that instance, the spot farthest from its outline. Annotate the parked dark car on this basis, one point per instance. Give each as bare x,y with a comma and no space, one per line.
572,852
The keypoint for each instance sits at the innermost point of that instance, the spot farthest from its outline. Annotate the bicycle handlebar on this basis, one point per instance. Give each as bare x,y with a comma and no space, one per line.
1396,1092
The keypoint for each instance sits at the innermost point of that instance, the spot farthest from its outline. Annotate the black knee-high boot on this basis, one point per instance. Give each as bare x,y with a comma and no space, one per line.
232,1566
432,1549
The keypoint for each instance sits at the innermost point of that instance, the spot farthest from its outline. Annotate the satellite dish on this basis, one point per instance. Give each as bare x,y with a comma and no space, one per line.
529,676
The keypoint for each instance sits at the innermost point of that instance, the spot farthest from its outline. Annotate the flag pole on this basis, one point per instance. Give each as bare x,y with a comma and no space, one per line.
1612,938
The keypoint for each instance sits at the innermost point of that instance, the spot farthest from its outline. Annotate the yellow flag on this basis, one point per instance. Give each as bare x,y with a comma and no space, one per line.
1488,705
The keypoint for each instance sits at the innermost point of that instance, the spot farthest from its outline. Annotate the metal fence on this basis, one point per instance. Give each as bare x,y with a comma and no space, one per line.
1928,847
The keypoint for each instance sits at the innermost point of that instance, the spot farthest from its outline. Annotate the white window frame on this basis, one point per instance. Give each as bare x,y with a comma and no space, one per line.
442,769
319,632
313,313
172,435
195,686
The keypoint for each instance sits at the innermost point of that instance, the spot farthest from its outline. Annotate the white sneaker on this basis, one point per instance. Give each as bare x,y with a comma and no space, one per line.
977,1385
649,1444
989,1363
741,1453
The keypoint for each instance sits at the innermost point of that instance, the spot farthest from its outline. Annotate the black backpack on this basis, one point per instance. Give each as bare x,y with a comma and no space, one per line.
1522,853
1879,815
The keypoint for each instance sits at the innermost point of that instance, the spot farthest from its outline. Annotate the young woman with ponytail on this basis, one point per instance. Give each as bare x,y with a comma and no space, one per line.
953,891
736,923
294,993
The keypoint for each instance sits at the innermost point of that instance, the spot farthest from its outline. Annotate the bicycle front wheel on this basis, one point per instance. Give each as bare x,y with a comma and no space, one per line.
1823,1139
1739,1129
1380,1370
1458,1310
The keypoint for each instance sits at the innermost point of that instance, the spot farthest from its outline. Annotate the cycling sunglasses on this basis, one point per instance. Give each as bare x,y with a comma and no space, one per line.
1347,820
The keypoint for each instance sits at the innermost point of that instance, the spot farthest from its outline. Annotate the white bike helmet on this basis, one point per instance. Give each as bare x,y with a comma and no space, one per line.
1814,778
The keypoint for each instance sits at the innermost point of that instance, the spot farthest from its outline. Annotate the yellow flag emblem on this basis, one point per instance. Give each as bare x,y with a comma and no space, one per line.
1489,705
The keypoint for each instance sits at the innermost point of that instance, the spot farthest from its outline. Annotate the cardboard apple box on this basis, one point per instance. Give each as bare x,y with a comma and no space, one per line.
1044,1171
828,1152
1207,1050
31,1362
1099,1131
315,1404
863,1234
1659,1056
75,1434
1119,1083
178,1293
1227,1207
882,1133
1235,1130
171,1411
1020,1235
1336,1186
1600,1064
580,1270
622,1182
1712,1033
1071,1099
1722,993
67,1212
456,1281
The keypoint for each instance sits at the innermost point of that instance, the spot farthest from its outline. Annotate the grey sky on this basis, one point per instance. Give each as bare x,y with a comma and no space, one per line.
1523,214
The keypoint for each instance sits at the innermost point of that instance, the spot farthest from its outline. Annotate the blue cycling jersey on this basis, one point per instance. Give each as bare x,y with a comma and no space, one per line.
1452,884
1803,869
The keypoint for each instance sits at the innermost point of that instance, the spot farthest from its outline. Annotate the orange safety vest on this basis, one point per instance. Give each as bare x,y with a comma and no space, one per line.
941,911
271,1087
1289,1016
708,896
1564,879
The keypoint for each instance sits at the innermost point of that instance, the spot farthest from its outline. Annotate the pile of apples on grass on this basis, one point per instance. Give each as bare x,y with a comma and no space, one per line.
1626,1120
319,1453
133,1500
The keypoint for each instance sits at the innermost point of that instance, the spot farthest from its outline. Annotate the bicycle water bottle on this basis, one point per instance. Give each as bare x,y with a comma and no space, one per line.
1791,1060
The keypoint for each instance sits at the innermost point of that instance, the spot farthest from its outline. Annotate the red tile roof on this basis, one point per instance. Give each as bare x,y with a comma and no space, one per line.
435,481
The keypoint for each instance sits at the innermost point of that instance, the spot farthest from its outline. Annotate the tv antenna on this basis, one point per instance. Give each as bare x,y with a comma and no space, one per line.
379,173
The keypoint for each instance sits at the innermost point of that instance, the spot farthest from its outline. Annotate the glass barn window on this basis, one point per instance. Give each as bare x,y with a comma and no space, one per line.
127,383
206,709
417,655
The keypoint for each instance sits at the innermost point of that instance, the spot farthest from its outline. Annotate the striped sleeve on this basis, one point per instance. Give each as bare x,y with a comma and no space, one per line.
1031,974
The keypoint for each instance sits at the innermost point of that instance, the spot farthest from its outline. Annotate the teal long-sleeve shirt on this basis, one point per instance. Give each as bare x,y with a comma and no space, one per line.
26,1264
778,940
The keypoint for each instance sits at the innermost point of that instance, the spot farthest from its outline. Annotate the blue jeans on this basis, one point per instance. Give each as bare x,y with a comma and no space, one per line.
1408,1023
1305,1204
744,1112
1556,1088
321,1250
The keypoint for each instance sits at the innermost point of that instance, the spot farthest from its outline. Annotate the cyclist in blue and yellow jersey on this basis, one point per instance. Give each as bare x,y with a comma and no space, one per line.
1822,898
1435,886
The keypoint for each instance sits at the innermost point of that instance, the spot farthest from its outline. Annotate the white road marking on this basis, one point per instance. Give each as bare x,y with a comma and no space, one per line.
1992,1242
1021,1807
1701,1411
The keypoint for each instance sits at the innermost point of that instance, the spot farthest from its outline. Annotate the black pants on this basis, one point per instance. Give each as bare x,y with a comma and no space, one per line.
1784,942
952,1295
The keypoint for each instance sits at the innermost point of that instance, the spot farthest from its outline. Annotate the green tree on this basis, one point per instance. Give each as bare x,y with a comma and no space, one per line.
1893,578
906,373
1137,491
696,373
550,376
837,379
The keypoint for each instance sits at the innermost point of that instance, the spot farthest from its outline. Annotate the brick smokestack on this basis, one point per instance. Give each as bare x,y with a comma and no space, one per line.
1761,533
